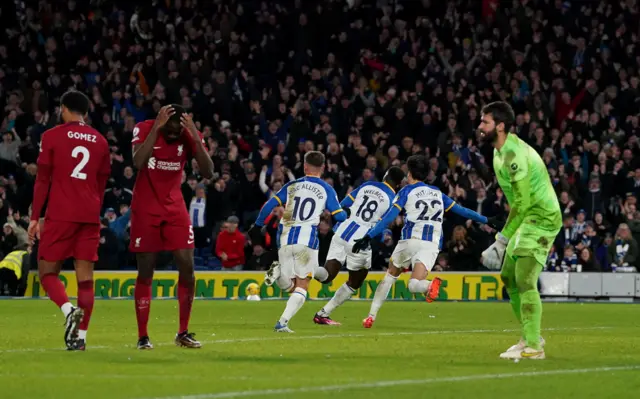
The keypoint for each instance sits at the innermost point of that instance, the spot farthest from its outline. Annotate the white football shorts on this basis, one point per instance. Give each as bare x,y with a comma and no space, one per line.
340,250
297,260
409,252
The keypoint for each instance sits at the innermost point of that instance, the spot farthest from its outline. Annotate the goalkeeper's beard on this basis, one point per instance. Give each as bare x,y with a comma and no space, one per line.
490,136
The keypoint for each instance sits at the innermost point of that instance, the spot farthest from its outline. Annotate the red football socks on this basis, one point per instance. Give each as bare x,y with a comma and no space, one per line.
54,289
142,295
86,298
185,300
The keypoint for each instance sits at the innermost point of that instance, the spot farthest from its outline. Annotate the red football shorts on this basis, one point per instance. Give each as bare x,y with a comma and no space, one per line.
153,234
62,240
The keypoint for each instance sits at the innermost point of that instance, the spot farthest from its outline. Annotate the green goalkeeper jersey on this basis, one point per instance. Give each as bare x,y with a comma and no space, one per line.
524,179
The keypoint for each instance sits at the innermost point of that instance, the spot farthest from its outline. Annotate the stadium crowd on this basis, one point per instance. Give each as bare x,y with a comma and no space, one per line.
368,83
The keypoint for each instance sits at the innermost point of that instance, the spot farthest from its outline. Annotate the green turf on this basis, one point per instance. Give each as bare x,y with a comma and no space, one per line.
415,350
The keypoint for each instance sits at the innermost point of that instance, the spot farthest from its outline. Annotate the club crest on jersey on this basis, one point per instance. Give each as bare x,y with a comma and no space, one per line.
514,166
180,148
138,242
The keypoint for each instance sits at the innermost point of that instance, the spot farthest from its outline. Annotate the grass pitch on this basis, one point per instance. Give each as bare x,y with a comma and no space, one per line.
415,350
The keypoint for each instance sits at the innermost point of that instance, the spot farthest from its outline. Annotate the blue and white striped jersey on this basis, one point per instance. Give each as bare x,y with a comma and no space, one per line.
304,201
424,208
367,203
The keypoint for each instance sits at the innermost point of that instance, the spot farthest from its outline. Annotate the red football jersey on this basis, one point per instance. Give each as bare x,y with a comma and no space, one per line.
73,168
157,190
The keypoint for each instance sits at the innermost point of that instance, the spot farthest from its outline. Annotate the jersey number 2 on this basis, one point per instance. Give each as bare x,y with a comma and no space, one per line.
425,209
83,154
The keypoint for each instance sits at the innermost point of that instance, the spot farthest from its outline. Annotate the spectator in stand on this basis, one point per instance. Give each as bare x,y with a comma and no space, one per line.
463,254
587,262
569,261
624,250
230,245
197,214
382,82
109,247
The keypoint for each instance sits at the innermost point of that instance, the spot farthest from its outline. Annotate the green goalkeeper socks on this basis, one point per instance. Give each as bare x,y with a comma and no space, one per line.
508,276
514,300
527,273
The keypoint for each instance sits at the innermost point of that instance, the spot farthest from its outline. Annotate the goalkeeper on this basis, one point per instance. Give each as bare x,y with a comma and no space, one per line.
522,247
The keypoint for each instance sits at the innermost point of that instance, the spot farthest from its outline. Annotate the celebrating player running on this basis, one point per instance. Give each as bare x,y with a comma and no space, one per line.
369,202
419,244
159,218
533,223
73,168
304,200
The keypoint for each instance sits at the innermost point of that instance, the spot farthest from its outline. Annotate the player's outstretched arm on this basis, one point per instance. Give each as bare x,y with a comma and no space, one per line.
200,152
521,203
266,210
142,152
280,199
451,206
386,219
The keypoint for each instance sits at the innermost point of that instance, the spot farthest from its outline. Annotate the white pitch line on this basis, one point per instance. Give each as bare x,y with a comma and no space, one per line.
282,337
394,383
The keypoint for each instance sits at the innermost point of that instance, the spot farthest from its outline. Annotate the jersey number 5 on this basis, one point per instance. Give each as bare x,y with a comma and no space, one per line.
82,153
425,209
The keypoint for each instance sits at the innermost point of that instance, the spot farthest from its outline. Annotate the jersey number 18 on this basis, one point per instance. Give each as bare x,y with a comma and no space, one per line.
367,209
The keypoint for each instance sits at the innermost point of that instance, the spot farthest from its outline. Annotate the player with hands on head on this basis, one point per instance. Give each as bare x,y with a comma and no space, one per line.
159,217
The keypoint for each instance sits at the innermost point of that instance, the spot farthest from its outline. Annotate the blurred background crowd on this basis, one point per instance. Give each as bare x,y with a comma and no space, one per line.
368,83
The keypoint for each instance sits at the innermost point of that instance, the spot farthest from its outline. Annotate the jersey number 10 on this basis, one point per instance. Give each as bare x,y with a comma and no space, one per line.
82,153
303,209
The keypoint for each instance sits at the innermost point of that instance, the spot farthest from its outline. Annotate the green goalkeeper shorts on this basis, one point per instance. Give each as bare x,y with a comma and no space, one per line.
532,241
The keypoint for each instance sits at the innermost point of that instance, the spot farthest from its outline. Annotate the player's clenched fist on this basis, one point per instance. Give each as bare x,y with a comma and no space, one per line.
493,256
165,113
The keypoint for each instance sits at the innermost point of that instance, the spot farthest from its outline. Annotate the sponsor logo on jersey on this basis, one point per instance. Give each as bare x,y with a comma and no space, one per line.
163,165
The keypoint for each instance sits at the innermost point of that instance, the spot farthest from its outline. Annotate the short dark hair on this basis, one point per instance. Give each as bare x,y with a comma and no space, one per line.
501,112
417,165
179,111
75,102
394,176
314,158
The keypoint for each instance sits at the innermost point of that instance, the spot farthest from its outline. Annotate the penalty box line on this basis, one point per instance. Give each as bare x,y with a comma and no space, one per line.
325,336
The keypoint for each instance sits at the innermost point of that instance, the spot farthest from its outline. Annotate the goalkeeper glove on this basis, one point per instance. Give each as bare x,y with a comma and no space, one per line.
493,256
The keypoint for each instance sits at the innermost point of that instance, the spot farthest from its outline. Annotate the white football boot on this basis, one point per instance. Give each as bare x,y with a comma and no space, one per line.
519,347
272,274
526,353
